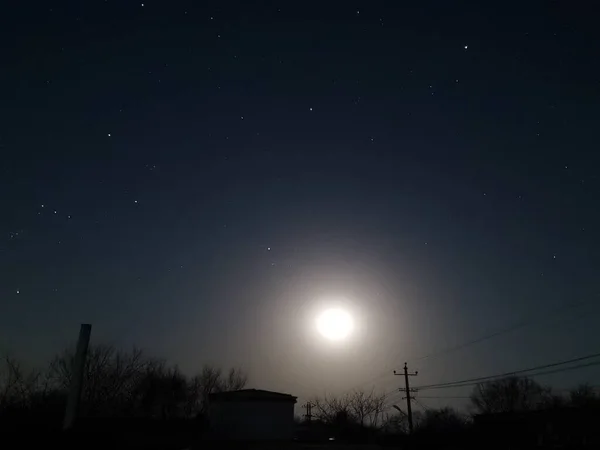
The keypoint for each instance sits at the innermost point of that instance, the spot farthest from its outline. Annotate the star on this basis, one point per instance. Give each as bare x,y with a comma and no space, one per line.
269,249
135,201
466,47
108,134
18,291
310,109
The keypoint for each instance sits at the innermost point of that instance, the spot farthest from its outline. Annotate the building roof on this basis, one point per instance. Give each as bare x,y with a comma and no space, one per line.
251,395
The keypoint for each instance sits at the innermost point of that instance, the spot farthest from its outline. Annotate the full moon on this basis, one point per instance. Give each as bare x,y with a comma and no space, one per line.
335,324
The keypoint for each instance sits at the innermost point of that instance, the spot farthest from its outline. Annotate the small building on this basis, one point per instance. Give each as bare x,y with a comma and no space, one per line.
251,414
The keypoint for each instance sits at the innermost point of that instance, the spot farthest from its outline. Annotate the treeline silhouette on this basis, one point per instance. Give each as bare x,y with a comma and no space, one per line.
117,384
514,411
128,393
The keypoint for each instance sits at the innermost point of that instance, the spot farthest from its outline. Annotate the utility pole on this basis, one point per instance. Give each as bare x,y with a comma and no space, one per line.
308,406
408,390
77,368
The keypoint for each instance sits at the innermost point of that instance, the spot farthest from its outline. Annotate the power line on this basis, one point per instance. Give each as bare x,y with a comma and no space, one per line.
524,322
533,375
389,394
470,381
547,372
420,404
373,379
566,369
444,397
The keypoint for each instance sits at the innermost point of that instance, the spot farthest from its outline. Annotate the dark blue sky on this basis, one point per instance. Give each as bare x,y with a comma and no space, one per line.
199,178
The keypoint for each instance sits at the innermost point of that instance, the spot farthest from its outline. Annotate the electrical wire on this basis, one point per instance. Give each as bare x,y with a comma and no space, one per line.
391,398
474,381
444,397
534,375
420,404
524,322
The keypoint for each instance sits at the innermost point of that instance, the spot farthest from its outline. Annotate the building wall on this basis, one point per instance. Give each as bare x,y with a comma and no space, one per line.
252,420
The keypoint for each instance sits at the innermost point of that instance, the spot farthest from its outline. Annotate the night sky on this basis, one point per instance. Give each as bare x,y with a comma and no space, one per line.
201,178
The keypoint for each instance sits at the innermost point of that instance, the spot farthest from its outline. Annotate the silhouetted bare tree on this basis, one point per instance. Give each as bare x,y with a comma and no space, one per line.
510,394
111,378
20,388
162,392
236,379
330,409
584,395
395,423
209,381
444,420
12,382
128,383
360,407
116,383
367,407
